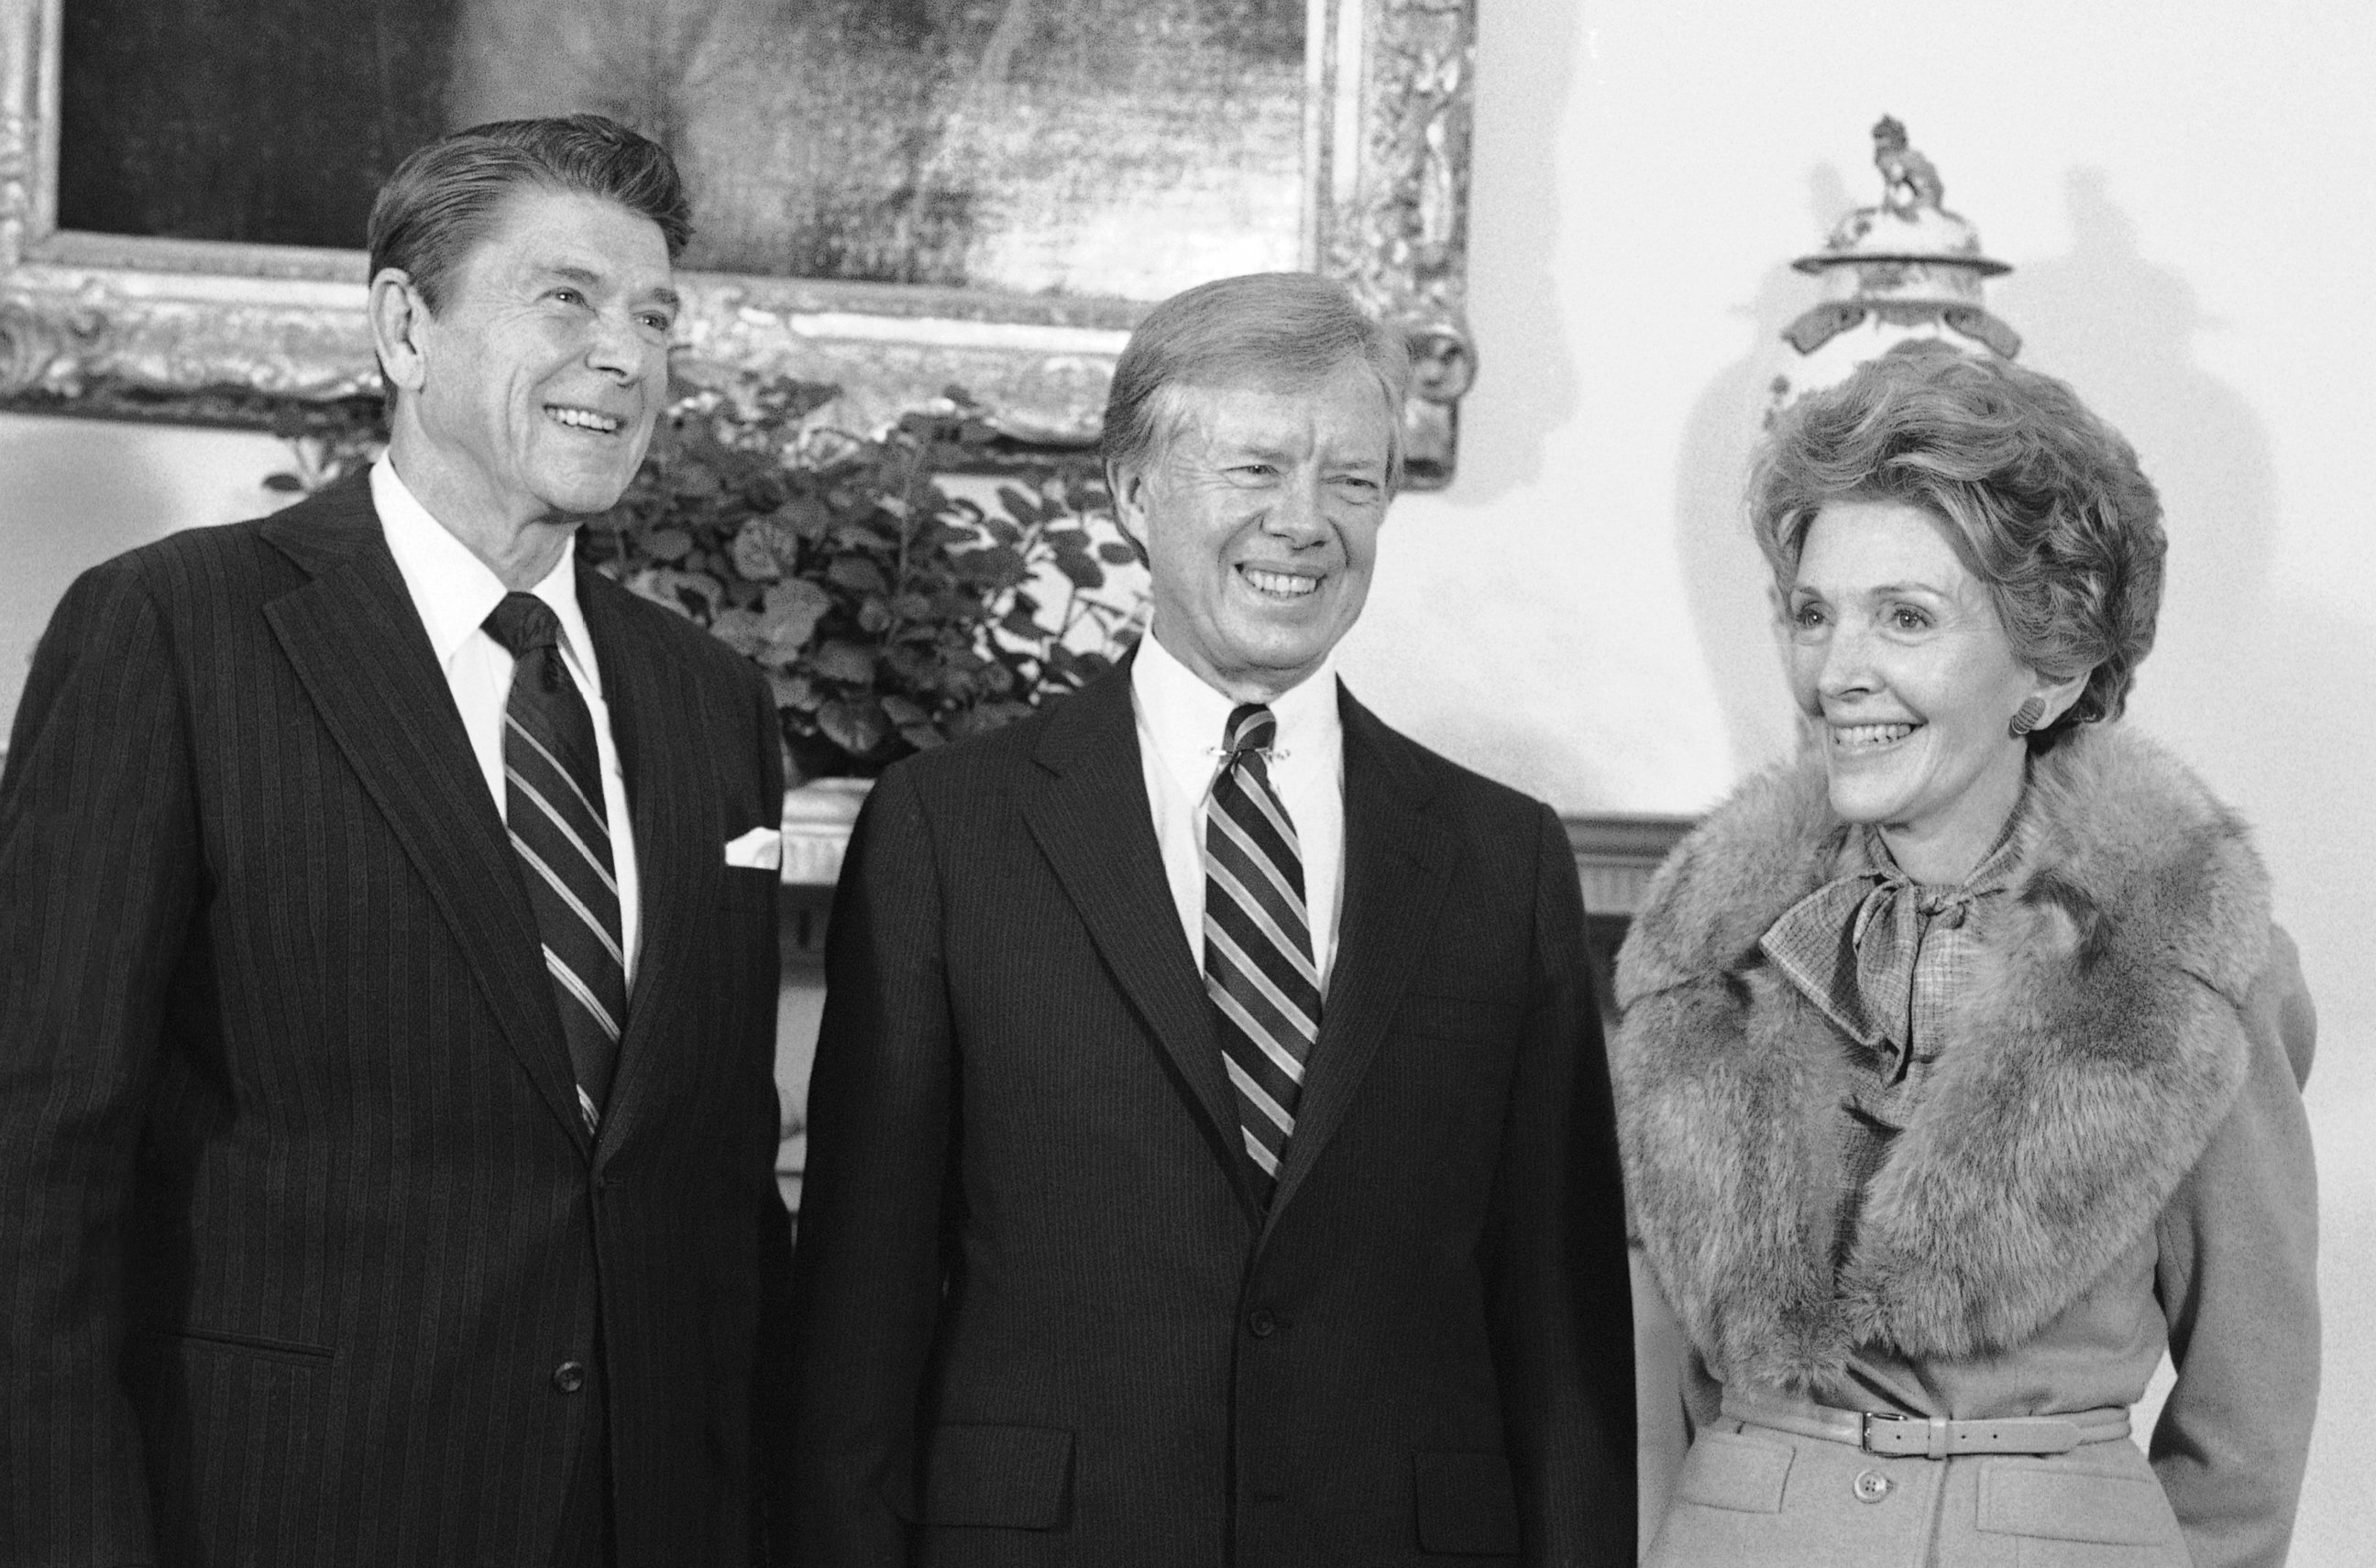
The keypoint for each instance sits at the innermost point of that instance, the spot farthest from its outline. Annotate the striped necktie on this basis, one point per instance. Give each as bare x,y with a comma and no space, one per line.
1259,966
553,806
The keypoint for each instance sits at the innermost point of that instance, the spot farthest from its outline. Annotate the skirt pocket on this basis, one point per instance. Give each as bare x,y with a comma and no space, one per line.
1734,1471
2082,1512
1726,1503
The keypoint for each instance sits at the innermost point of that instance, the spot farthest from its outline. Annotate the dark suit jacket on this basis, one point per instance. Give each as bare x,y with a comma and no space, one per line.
297,1222
1039,1317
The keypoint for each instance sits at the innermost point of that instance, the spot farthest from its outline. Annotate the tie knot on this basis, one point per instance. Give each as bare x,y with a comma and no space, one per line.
523,622
1252,728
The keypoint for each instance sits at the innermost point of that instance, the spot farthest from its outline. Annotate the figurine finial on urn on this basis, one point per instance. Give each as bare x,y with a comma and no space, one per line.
1906,268
1909,180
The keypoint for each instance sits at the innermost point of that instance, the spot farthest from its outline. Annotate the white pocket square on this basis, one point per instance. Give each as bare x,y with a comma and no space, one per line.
762,849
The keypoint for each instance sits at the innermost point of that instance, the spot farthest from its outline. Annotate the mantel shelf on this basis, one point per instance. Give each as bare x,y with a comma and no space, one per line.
1615,852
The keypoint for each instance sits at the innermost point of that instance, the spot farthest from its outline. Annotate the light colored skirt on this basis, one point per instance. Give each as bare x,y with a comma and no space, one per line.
1756,1496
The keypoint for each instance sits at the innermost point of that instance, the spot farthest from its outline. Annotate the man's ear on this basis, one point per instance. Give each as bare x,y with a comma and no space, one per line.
1126,482
397,315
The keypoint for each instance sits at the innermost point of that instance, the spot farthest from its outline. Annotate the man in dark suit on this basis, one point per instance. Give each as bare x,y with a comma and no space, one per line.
1210,1149
387,967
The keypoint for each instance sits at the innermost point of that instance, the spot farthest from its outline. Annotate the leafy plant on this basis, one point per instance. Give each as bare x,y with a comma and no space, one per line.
893,608
328,441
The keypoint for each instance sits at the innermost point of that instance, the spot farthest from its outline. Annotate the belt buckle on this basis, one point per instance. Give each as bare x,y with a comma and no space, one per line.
1865,1419
1936,1441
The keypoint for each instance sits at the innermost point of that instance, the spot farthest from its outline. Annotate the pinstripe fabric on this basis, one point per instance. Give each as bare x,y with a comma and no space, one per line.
553,807
297,1217
1258,967
1027,1216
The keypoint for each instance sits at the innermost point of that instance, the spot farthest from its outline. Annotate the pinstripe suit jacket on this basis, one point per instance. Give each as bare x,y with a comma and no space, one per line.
1039,1318
297,1220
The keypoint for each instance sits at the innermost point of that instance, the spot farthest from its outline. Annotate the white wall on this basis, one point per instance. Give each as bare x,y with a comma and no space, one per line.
75,492
2185,187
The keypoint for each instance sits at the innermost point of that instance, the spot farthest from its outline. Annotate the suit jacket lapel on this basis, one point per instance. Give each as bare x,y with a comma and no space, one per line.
1397,862
358,646
679,856
1095,826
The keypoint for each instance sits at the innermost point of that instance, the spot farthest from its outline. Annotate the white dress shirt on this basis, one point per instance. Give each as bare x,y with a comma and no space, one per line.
1181,724
455,592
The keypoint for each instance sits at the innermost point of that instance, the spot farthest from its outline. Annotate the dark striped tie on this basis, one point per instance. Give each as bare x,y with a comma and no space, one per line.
554,808
1259,966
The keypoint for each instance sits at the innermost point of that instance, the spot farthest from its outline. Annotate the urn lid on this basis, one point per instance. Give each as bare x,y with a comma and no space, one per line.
1906,269
1909,245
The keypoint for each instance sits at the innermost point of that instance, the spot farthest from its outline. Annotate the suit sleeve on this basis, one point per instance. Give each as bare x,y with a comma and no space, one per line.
100,875
868,1266
1556,1262
2237,1278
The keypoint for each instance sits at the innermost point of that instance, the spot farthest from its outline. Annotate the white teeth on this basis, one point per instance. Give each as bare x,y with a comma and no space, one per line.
1855,735
1281,582
583,419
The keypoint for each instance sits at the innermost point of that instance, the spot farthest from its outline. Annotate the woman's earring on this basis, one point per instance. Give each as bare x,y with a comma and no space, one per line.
2025,717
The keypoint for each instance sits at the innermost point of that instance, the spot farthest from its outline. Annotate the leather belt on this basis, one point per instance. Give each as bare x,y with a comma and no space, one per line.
1929,1437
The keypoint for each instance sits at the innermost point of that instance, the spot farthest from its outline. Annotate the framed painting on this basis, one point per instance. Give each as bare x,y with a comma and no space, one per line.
894,197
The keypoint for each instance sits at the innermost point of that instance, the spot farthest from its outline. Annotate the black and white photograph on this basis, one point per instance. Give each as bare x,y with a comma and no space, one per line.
1185,784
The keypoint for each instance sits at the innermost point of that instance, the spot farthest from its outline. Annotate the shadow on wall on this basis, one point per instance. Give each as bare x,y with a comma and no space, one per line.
2121,330
1523,394
1722,571
2267,692
2247,684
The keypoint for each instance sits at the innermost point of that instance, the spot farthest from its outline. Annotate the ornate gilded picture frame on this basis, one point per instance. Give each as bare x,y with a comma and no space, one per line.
139,324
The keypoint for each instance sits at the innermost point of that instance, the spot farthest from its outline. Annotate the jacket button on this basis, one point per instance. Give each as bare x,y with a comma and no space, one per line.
1872,1486
569,1376
1260,1324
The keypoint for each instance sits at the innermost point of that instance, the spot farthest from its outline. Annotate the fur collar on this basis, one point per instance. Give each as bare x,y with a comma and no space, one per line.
2095,1050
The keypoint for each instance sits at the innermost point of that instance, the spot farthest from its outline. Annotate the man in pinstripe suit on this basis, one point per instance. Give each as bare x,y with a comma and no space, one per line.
387,968
1210,1158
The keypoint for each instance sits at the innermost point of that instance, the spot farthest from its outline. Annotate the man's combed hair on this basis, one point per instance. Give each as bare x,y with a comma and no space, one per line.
442,199
1283,329
2044,503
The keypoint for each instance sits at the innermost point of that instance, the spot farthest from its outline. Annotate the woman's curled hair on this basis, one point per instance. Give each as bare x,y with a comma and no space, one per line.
2044,503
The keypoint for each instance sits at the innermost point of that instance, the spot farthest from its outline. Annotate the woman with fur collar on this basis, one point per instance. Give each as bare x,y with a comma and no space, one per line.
1960,1070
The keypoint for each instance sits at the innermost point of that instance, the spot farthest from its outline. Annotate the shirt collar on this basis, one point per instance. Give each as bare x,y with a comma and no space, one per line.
1185,718
1866,853
455,591
1851,947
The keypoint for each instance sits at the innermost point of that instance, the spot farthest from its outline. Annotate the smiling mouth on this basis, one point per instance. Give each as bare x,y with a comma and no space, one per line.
582,419
1869,737
1279,585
